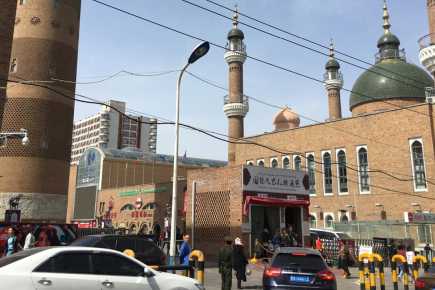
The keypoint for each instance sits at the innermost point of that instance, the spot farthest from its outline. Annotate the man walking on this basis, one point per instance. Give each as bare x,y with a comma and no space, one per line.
185,250
225,264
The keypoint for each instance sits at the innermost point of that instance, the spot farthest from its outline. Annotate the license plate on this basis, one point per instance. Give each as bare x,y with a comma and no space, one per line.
299,279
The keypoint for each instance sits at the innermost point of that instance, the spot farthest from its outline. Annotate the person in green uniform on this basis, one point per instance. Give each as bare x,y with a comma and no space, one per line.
226,264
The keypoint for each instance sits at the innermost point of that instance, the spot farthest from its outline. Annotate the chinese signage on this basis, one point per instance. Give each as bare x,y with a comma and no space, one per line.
274,180
142,191
141,214
419,217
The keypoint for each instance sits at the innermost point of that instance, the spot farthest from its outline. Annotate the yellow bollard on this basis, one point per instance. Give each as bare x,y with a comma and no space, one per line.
380,261
401,259
199,256
364,280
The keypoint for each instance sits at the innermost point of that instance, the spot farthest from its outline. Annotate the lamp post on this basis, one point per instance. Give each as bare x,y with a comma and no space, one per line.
198,52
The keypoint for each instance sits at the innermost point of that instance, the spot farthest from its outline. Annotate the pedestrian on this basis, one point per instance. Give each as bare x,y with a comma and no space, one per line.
276,240
428,253
401,251
285,239
410,254
225,263
185,250
319,244
344,259
11,245
239,262
258,249
265,236
29,241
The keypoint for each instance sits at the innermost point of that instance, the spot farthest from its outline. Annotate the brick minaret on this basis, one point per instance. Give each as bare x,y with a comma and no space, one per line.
45,43
7,20
236,105
333,84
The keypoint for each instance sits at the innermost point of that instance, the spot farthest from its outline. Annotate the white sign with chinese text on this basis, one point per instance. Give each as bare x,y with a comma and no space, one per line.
275,180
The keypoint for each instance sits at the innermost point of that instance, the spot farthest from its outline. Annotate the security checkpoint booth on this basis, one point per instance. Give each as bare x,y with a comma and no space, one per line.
243,201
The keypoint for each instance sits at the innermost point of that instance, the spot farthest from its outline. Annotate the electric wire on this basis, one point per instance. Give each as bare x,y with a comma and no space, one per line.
211,83
312,78
304,39
193,128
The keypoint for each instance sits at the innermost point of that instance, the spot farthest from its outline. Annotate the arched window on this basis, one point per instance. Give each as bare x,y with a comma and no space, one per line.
327,173
260,163
363,164
274,163
250,163
418,165
127,206
311,173
329,221
313,221
342,172
286,163
344,219
297,162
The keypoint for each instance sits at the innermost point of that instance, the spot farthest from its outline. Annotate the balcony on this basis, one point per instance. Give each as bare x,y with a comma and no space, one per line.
427,52
333,80
390,53
232,109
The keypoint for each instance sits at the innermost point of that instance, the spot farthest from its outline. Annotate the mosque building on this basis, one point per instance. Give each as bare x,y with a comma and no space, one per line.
373,168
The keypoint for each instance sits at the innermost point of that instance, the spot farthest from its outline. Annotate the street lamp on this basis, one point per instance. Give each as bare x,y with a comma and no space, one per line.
22,135
198,52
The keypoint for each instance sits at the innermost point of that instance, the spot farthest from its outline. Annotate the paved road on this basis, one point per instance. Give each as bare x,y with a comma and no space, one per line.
213,282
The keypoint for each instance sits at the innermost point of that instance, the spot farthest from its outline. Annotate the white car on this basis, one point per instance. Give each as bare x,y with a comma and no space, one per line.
82,268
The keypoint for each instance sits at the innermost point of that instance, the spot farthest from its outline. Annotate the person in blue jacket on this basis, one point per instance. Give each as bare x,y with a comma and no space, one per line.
185,250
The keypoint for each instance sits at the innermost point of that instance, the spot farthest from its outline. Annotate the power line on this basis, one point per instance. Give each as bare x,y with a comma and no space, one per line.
264,103
299,37
244,142
248,56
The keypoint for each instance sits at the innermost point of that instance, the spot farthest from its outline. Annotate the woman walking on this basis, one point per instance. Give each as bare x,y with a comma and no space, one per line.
239,262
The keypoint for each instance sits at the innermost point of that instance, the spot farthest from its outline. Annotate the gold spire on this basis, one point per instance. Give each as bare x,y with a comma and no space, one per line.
331,48
236,16
386,18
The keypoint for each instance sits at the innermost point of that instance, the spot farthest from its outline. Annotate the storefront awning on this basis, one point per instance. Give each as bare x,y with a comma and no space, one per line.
266,201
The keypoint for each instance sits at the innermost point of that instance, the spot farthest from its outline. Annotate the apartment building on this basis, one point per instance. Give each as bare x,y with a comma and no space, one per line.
108,129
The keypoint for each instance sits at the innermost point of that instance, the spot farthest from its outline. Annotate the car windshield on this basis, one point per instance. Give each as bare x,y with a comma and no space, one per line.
308,263
18,256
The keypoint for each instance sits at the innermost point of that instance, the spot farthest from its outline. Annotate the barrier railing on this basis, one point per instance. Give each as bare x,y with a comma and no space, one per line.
196,262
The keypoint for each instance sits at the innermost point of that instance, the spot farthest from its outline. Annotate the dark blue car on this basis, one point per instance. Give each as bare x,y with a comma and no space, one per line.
298,268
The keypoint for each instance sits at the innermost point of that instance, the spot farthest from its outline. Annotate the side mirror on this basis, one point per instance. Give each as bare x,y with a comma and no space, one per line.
147,273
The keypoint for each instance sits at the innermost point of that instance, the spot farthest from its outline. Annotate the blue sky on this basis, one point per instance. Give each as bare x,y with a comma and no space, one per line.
110,42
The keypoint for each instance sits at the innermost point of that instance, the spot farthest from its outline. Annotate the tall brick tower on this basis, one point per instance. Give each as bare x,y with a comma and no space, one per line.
45,44
333,83
235,104
7,20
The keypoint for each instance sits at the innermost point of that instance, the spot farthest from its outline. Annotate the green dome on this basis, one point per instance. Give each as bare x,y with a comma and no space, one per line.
332,64
235,32
381,84
388,39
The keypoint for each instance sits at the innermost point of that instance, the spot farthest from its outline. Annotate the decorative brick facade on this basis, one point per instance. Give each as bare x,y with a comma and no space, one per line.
45,43
386,136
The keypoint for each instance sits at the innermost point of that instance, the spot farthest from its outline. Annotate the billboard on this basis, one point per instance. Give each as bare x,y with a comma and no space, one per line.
274,180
